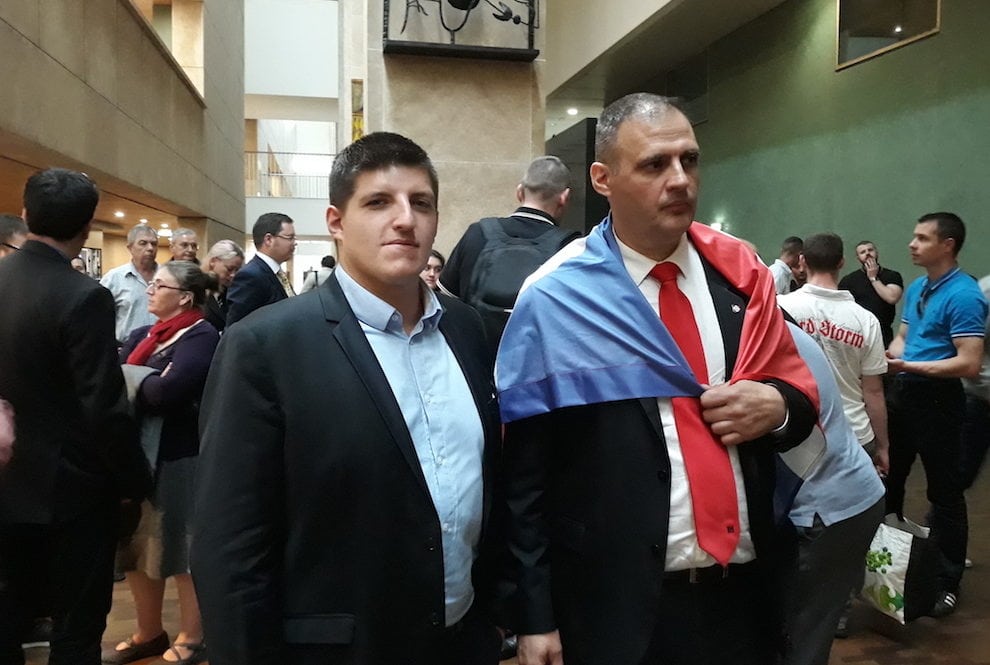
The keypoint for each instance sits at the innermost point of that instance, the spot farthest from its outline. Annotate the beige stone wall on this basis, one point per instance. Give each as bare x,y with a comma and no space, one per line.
481,121
88,81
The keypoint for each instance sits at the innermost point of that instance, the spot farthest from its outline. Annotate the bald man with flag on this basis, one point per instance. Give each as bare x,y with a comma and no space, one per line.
647,381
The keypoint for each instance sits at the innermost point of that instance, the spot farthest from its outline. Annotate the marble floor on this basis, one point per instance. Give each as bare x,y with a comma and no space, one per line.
961,639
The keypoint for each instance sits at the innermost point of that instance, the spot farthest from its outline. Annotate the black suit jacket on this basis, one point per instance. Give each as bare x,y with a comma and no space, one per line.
316,539
254,286
76,444
589,491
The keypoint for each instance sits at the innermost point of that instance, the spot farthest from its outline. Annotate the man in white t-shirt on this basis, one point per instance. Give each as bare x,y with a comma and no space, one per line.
851,338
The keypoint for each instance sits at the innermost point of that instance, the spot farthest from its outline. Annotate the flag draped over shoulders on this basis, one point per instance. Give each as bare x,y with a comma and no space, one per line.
582,333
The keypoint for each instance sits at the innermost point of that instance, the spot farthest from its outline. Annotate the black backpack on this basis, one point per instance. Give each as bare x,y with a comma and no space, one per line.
501,268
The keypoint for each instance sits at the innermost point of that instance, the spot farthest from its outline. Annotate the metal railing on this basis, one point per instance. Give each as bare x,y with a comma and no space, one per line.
303,175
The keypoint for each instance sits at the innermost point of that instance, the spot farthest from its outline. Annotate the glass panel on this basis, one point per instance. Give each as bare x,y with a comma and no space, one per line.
868,28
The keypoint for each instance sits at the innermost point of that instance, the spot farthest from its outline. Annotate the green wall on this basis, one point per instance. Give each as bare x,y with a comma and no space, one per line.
794,147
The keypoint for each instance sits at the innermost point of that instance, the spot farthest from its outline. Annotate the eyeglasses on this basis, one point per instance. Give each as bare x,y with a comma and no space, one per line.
154,286
289,238
7,244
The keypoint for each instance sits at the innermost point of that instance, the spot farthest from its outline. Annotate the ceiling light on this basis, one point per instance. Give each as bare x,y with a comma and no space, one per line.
119,213
164,225
572,111
898,29
165,233
143,220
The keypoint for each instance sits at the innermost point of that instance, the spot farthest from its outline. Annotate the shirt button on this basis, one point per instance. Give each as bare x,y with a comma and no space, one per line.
440,461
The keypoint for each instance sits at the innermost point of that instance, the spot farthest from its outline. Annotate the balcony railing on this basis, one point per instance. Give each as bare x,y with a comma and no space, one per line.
287,174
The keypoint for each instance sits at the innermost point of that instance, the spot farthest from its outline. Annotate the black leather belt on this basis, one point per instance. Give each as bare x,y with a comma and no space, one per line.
710,574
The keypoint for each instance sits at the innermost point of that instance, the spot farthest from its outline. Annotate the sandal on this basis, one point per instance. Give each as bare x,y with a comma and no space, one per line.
134,650
197,653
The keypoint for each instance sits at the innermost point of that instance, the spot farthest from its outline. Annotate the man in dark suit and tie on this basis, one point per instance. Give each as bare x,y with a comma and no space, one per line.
639,443
349,441
262,281
76,449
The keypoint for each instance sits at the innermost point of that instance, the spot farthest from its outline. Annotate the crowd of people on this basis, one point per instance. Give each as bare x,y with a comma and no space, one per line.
641,445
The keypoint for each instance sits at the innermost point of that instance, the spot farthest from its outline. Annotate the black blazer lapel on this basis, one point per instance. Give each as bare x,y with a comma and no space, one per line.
354,344
730,308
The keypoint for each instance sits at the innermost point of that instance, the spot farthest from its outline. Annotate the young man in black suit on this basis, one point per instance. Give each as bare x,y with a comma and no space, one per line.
76,449
349,441
262,281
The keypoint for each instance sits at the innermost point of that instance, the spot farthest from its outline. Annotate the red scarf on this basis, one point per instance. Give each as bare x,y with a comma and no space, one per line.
161,332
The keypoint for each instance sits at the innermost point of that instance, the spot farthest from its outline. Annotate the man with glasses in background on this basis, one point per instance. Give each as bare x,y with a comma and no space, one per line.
13,233
184,245
939,342
262,281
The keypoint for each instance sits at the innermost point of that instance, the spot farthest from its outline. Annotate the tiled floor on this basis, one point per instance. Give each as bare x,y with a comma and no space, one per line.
962,639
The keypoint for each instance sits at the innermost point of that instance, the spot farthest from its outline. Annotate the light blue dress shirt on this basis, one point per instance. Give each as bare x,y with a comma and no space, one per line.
443,421
130,296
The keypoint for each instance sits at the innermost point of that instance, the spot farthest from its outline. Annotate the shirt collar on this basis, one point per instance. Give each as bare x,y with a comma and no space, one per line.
133,269
639,266
270,262
534,214
931,286
375,312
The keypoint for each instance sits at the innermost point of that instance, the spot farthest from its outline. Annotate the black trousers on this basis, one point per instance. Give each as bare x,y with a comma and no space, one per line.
829,565
715,621
76,559
474,640
975,439
926,417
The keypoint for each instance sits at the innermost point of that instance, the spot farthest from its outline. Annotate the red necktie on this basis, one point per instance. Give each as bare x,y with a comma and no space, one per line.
706,460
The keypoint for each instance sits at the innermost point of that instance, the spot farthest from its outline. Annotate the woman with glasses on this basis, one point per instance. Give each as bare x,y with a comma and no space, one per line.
168,363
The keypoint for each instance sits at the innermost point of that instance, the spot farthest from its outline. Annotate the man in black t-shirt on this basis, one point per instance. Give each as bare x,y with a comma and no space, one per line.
875,288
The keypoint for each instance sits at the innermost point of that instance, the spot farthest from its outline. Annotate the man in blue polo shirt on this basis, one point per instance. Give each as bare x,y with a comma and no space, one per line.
940,341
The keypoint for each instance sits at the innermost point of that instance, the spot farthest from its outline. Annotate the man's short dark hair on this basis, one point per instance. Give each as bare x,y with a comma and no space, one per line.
58,203
865,242
546,177
328,261
374,152
792,246
948,225
823,252
270,222
639,106
10,226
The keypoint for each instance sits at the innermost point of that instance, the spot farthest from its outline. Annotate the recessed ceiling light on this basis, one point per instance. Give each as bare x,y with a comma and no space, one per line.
143,220
572,111
898,29
164,225
119,213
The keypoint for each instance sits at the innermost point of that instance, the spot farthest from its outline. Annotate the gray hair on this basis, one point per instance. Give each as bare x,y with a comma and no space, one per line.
225,250
140,230
637,106
546,177
178,233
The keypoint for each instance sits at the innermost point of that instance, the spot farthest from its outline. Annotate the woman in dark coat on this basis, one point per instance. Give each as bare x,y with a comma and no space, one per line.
175,353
